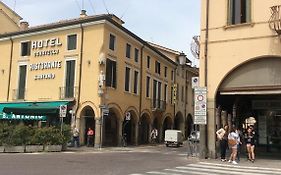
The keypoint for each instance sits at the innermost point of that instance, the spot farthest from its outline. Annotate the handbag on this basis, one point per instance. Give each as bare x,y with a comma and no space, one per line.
232,142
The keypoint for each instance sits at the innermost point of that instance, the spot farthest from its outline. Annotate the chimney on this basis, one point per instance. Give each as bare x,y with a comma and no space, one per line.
83,14
24,25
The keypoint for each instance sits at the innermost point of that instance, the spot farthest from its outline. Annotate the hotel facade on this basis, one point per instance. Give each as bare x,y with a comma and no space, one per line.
240,62
107,77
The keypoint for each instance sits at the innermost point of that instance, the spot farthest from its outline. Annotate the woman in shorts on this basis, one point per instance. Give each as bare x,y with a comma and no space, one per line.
250,143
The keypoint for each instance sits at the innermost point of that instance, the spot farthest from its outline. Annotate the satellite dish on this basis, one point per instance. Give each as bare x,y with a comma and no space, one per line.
195,46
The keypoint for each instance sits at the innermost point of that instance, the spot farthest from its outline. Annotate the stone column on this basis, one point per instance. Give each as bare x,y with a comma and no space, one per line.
218,117
136,133
98,133
211,129
224,118
119,132
229,121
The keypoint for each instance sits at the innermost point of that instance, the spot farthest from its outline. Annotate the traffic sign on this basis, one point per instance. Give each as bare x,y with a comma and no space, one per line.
105,111
63,110
200,107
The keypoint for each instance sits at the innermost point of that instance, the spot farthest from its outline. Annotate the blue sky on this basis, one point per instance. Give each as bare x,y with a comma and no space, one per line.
170,23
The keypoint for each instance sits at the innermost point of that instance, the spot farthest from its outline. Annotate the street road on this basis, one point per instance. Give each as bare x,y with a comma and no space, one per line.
147,160
116,161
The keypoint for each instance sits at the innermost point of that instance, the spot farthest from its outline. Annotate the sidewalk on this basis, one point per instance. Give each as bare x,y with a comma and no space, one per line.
104,149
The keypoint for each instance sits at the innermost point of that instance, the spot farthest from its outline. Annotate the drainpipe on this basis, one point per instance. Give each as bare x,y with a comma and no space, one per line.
80,71
10,68
141,75
204,128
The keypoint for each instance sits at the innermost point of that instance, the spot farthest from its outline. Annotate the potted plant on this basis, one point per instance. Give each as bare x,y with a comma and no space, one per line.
36,141
18,137
52,139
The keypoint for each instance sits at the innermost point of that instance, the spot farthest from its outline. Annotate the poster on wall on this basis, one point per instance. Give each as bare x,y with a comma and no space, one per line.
262,129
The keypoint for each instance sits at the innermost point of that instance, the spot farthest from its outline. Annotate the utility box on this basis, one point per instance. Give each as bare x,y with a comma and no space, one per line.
173,138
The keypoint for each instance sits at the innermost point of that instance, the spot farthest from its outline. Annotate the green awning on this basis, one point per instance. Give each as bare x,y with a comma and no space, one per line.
30,110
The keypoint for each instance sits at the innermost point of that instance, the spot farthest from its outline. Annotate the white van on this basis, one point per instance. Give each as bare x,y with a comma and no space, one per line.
173,138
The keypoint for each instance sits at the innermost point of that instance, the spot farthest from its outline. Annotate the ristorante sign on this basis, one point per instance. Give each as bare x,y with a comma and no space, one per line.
41,48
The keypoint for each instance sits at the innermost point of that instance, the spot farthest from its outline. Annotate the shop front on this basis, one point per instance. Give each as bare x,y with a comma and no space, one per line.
35,113
251,96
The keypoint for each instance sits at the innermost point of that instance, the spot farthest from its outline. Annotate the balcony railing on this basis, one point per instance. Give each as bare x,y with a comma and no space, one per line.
18,94
275,19
68,92
158,105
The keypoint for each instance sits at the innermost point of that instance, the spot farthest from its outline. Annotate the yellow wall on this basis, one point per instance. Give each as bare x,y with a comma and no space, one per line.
8,19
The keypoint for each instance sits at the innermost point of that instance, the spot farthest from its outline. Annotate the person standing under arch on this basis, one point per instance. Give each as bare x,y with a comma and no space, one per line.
222,135
250,143
90,137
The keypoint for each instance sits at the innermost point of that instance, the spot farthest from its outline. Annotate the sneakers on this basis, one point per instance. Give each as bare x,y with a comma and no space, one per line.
229,161
223,160
234,162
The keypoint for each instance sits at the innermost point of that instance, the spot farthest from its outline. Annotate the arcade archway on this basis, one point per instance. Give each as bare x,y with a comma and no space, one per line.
144,130
87,121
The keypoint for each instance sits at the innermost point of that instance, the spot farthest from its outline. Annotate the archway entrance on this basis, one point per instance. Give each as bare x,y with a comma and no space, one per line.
144,131
167,124
111,129
87,121
244,97
179,123
189,125
129,127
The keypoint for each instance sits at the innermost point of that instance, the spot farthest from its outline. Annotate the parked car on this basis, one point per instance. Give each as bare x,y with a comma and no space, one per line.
173,138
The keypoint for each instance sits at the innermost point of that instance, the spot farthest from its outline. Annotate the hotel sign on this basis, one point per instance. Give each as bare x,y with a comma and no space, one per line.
47,43
38,47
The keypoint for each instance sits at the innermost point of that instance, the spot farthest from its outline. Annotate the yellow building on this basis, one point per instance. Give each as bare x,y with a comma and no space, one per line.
110,80
240,66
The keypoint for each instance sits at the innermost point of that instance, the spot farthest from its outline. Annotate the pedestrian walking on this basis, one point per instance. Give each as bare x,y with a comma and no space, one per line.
250,141
90,137
153,135
222,135
233,141
75,134
239,146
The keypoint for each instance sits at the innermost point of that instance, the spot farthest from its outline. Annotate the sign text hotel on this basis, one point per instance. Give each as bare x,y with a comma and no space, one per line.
39,47
40,44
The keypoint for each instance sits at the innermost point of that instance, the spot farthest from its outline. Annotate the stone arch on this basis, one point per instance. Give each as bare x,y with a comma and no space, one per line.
189,125
167,123
144,128
112,129
87,120
129,127
87,103
254,80
179,121
266,64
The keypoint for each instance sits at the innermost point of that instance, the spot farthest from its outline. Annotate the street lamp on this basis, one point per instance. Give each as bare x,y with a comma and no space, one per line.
182,58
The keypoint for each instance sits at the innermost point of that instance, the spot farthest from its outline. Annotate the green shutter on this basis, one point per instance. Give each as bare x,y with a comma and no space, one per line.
230,12
248,11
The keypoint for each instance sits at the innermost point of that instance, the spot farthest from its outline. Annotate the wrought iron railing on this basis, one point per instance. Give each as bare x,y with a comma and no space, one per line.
275,19
158,105
68,92
19,94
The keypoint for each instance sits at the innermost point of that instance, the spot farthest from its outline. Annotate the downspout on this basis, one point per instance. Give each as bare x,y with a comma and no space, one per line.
80,70
10,69
206,72
141,76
